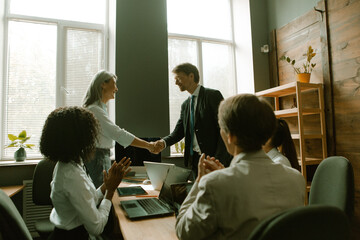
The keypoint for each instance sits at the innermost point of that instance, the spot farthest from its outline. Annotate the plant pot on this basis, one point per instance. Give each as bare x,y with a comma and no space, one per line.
303,77
20,155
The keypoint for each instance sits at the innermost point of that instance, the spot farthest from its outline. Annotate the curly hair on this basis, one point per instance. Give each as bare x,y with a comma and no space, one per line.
249,118
69,134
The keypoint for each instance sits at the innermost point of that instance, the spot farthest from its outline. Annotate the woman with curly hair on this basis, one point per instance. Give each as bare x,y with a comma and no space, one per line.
80,210
101,89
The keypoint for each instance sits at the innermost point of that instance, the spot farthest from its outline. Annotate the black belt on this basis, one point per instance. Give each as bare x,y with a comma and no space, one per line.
78,233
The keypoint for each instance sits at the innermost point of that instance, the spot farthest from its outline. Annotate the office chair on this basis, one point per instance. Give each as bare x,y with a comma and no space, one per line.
12,226
333,184
307,222
41,194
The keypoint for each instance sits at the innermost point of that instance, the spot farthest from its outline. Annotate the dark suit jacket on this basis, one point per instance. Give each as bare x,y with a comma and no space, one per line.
206,127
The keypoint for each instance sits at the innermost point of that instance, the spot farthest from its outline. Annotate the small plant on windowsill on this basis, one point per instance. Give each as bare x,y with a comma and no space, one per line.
304,73
179,147
19,142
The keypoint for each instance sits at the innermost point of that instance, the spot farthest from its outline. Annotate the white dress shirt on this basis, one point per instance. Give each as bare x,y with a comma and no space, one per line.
75,200
196,147
229,203
277,157
109,132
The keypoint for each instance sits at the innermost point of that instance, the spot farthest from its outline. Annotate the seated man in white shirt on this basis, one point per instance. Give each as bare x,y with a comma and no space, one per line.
227,203
80,211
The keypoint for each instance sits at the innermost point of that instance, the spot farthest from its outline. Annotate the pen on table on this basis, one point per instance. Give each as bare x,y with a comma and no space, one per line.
146,196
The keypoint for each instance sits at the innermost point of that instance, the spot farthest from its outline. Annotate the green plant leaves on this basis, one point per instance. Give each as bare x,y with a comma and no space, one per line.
18,141
22,135
12,137
307,67
30,145
13,144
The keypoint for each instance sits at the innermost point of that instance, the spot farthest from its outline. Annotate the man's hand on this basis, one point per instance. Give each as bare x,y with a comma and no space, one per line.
159,146
207,165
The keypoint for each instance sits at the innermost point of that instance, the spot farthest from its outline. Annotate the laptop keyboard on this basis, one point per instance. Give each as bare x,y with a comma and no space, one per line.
149,205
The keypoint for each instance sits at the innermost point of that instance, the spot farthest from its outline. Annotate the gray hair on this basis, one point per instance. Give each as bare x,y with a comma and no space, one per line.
94,91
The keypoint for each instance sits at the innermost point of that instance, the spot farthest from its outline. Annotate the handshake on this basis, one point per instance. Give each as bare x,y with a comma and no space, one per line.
156,147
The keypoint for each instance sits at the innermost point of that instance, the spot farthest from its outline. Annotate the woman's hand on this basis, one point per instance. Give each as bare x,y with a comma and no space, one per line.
116,173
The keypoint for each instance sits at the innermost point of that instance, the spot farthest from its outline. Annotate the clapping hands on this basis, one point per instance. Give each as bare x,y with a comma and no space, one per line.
207,165
117,171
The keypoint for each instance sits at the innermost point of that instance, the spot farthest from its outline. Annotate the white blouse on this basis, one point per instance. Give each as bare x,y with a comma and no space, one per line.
277,157
76,201
109,132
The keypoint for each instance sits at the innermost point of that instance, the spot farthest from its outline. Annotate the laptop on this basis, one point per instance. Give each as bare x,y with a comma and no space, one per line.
157,172
154,207
179,192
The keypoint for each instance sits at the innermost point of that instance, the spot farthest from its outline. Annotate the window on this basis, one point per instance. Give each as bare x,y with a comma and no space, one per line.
53,50
200,32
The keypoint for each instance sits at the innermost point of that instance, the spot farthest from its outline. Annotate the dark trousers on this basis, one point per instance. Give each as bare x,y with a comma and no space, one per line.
111,230
78,233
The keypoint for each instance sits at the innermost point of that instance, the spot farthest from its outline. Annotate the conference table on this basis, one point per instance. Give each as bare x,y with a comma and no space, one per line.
151,228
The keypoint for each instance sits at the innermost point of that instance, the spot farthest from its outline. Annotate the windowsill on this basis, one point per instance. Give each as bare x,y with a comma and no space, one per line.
6,163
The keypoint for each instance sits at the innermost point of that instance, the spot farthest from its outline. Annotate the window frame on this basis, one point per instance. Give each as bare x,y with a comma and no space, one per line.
199,41
62,26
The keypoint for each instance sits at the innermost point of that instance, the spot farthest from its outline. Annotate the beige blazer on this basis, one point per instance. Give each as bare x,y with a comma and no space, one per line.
229,203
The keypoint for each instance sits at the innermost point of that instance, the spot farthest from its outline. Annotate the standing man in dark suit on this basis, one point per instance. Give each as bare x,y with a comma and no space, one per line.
200,129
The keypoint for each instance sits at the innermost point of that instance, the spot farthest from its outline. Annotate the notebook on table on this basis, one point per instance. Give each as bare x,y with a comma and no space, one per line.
154,207
157,172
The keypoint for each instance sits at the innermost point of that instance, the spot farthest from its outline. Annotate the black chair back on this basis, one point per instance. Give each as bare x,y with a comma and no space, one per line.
307,222
41,194
41,182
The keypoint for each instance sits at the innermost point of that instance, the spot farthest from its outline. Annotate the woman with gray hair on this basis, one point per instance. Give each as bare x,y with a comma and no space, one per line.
103,88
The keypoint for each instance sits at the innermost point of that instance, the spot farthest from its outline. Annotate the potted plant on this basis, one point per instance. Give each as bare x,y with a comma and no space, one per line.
179,146
19,142
304,73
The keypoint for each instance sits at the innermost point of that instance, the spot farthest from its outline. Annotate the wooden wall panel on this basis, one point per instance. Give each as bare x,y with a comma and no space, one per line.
336,37
344,39
293,40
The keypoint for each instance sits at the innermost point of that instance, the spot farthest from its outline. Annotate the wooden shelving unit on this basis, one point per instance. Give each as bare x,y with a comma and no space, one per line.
297,89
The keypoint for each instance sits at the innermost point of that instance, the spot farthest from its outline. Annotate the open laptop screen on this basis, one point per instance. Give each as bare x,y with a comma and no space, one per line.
179,191
175,175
